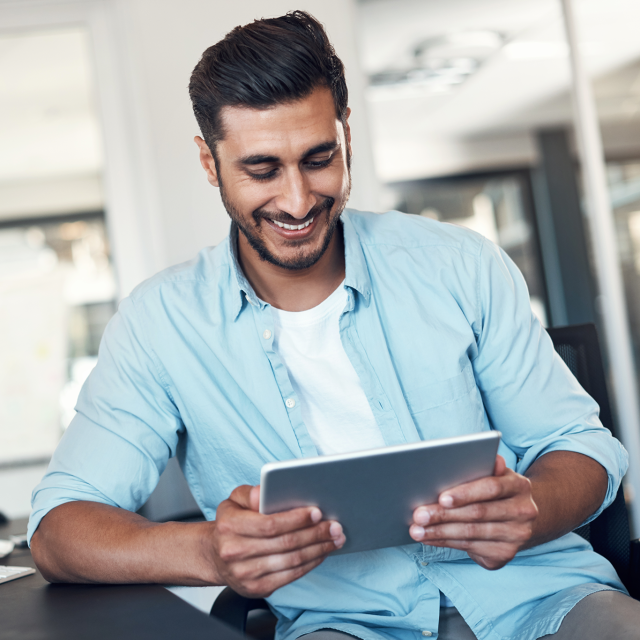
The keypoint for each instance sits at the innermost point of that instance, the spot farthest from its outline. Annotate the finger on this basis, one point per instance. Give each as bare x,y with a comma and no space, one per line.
486,548
264,587
242,496
254,498
516,532
490,555
263,566
489,488
234,519
491,511
247,496
500,466
329,533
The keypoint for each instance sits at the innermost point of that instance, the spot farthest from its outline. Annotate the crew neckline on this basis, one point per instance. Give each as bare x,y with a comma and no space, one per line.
327,307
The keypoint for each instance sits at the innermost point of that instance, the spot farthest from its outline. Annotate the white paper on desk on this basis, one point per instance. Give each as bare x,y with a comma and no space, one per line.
201,598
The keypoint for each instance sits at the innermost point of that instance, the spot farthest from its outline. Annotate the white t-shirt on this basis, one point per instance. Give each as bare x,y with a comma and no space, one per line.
334,407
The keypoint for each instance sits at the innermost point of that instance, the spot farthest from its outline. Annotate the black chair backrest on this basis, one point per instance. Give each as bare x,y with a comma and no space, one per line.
578,346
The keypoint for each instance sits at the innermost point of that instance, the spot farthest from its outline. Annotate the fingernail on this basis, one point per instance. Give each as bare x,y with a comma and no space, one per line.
446,500
339,542
416,532
422,516
335,530
316,515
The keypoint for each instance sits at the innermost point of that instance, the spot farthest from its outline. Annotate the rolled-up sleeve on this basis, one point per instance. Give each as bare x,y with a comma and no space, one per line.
125,430
529,393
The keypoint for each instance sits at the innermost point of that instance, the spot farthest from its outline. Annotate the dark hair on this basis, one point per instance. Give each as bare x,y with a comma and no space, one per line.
264,63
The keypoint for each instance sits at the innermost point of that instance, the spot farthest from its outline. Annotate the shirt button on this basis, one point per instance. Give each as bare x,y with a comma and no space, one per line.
427,634
424,564
290,403
266,334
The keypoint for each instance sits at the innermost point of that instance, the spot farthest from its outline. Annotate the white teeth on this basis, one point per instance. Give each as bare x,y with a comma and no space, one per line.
293,227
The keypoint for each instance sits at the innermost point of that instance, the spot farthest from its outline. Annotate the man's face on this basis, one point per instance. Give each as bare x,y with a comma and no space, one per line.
284,177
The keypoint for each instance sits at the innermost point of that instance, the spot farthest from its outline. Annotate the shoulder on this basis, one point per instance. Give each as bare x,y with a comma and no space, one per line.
395,229
204,269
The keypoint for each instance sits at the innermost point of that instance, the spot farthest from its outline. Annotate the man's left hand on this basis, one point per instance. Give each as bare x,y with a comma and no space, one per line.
491,518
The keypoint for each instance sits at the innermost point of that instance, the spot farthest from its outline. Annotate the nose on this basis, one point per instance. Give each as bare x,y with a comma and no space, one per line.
295,197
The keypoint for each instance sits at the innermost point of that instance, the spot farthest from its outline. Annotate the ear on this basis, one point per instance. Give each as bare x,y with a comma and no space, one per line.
347,131
207,161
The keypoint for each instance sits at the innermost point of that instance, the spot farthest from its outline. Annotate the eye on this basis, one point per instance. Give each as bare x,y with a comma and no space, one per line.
319,164
263,176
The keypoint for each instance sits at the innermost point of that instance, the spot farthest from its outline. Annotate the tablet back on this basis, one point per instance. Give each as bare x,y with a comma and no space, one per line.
374,493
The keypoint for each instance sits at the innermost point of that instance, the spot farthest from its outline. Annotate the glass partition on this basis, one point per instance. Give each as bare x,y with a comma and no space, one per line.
624,189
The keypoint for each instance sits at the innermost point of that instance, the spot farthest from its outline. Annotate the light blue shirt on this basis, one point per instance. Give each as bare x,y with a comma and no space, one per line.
439,329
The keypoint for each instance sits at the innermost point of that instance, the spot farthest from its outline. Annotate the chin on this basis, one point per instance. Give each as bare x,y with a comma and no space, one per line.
296,259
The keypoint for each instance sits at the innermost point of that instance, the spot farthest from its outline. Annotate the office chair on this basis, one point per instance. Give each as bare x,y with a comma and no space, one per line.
609,534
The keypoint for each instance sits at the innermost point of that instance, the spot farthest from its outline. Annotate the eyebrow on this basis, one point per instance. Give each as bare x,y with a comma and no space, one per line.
260,158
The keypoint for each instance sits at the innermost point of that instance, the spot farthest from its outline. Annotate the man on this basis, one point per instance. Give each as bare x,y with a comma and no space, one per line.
313,330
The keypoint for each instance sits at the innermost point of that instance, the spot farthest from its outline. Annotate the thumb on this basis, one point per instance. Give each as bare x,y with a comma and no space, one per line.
254,498
501,466
243,496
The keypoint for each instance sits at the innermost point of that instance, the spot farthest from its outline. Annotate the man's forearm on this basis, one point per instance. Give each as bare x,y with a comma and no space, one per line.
567,488
93,542
251,552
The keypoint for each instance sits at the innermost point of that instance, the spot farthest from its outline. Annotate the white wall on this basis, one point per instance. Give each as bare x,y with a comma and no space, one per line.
163,40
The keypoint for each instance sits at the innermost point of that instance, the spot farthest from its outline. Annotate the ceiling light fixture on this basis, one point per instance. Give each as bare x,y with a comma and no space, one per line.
440,63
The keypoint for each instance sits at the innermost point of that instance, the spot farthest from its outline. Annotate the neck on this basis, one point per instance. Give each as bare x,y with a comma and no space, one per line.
294,290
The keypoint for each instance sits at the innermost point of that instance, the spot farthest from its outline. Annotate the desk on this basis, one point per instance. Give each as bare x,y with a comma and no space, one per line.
32,609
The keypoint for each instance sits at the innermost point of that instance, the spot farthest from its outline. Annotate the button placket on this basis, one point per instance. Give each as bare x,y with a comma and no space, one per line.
264,325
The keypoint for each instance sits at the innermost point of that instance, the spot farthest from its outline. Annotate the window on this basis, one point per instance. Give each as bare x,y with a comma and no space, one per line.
624,189
57,286
57,292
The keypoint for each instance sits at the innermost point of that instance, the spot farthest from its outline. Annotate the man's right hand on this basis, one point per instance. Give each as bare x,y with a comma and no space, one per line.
256,554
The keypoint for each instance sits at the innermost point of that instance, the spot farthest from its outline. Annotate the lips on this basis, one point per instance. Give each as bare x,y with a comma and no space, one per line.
292,227
301,231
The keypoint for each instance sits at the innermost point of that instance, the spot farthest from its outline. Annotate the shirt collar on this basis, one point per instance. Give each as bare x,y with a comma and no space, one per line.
356,271
241,289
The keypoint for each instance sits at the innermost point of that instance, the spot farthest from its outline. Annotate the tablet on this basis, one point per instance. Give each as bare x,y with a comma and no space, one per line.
373,493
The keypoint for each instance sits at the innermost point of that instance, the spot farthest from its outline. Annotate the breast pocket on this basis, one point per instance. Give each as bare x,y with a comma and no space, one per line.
447,407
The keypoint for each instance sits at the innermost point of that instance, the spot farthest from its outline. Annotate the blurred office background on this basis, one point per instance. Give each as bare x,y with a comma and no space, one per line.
461,112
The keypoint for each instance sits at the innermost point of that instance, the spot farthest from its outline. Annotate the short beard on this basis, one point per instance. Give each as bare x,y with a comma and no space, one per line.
302,260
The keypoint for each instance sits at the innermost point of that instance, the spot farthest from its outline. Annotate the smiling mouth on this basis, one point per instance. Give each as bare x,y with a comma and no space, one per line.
293,227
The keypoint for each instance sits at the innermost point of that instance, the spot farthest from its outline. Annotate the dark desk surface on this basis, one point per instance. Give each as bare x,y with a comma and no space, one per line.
33,609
